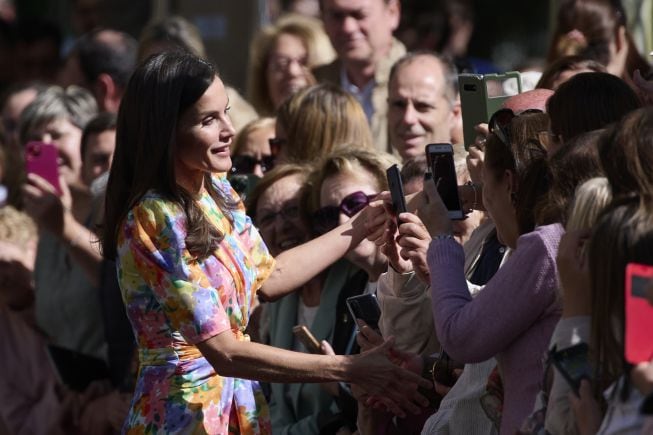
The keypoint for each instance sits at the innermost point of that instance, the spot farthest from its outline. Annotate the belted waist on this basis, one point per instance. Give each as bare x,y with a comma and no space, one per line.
176,353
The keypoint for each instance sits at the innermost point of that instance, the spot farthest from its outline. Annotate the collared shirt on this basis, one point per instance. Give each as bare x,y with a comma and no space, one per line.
364,95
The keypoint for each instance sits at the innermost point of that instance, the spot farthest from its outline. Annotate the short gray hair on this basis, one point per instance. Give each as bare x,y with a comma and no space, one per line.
449,71
74,104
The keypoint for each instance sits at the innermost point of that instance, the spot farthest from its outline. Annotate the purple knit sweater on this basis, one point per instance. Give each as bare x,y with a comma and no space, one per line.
512,318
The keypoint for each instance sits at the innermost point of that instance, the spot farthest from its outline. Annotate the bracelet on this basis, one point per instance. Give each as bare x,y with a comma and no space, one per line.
475,189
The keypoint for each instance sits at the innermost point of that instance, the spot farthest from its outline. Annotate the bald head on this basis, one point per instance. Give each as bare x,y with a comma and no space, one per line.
535,99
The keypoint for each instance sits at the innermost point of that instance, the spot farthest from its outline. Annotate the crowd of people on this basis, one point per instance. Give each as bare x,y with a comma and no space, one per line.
165,280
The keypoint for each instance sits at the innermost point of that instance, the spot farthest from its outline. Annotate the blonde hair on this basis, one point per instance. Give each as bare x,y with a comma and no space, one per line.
318,48
249,128
589,201
350,160
321,119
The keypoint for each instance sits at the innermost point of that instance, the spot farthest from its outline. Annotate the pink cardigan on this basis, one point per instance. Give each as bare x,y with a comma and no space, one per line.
512,319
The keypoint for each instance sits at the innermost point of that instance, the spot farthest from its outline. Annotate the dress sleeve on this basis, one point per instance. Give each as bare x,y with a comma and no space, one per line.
153,250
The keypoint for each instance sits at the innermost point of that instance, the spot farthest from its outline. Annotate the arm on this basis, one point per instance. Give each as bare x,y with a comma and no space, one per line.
406,312
473,330
296,266
55,215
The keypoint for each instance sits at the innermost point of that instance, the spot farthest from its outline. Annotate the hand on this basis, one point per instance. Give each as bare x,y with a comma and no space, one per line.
16,267
376,219
586,409
642,377
475,159
414,240
390,249
574,274
367,338
376,375
433,212
42,203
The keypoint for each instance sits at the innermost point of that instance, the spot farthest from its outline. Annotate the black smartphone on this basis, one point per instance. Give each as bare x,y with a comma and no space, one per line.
365,307
573,364
396,190
439,157
307,338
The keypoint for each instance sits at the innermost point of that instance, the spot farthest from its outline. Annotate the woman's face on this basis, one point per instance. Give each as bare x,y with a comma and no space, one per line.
204,134
497,199
286,71
67,138
257,146
278,216
334,189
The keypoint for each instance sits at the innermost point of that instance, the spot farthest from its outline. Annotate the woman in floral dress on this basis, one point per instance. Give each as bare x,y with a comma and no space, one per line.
190,264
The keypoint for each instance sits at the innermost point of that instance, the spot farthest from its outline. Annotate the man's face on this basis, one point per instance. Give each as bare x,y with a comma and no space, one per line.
419,112
360,30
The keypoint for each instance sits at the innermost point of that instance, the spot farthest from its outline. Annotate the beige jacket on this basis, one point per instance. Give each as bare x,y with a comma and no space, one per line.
330,73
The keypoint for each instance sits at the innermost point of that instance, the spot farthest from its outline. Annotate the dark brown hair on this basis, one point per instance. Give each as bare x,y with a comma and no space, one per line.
574,163
597,24
589,101
567,63
626,154
158,93
623,234
525,157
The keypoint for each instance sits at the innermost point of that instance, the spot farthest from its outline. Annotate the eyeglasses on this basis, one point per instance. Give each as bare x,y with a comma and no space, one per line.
282,63
287,212
327,218
245,164
501,119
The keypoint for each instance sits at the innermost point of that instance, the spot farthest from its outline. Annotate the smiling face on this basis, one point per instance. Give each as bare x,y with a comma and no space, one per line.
418,111
278,217
204,135
67,138
366,255
287,71
360,30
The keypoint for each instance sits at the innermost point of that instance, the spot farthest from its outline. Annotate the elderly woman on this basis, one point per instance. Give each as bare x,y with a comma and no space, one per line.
67,263
281,58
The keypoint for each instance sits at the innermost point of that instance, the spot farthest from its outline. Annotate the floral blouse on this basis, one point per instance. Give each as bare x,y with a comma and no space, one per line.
175,302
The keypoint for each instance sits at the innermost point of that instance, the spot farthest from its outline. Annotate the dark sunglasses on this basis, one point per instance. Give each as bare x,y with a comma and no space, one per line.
327,218
246,164
500,122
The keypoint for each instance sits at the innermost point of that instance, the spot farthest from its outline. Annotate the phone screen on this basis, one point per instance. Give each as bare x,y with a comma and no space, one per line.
365,307
573,364
440,159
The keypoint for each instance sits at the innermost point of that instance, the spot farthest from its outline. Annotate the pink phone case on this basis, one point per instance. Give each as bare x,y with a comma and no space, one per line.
639,314
41,159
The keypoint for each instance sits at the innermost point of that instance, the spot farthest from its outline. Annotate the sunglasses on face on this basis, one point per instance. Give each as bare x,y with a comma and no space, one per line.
327,218
246,164
500,122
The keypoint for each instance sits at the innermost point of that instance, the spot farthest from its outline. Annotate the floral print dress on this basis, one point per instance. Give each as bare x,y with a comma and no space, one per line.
175,302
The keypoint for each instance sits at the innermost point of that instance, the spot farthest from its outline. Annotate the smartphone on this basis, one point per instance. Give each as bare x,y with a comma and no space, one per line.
439,158
638,345
396,190
42,159
305,337
573,364
482,95
365,307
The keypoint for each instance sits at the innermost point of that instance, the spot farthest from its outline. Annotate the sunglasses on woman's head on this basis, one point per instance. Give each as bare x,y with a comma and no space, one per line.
246,164
500,122
327,218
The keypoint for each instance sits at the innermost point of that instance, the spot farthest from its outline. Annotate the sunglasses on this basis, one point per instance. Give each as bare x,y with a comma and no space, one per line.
246,164
327,218
500,122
